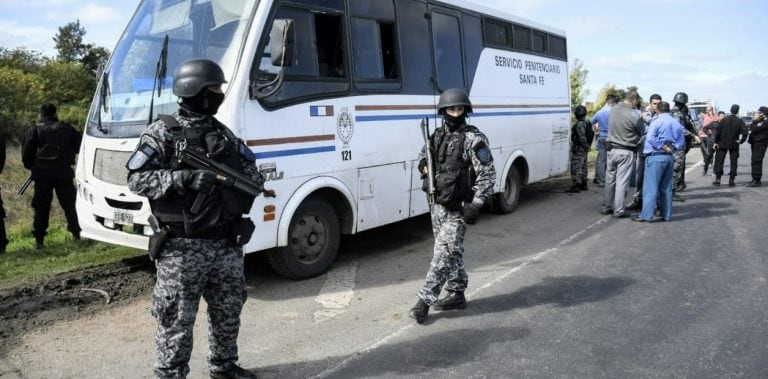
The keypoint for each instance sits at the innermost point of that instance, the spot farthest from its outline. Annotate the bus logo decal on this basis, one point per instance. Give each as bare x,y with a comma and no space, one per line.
345,126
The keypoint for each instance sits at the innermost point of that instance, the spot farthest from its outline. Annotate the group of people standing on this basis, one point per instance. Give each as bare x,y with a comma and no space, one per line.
651,147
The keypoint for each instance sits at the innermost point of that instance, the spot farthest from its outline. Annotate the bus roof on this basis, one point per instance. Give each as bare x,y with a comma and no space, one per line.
501,14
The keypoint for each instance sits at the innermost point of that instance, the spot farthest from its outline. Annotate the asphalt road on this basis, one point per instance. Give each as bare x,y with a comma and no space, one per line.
556,290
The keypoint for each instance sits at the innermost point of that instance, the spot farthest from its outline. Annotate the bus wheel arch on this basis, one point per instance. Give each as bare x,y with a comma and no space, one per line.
310,230
515,177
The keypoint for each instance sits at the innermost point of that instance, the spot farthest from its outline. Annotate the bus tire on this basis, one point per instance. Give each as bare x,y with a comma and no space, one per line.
506,202
313,242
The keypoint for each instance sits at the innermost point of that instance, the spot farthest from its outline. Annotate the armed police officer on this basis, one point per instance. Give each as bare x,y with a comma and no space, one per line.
49,150
202,255
464,178
581,140
683,116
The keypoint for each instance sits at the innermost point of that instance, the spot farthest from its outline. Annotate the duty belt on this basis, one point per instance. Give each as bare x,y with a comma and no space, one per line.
216,233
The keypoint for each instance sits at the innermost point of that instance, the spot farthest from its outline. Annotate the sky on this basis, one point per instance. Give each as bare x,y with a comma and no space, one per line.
710,49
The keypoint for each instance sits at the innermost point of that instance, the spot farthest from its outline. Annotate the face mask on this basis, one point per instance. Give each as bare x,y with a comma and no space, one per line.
205,102
454,122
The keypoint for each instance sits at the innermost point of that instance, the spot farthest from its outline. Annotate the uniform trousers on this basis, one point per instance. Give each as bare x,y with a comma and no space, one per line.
41,203
447,267
186,270
579,165
657,185
617,175
602,159
707,152
720,160
758,153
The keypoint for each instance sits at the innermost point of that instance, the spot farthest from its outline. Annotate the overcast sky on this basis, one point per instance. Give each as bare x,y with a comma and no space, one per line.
708,48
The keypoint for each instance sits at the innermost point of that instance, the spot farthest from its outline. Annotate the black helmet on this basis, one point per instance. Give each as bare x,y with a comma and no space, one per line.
680,97
453,97
195,74
580,111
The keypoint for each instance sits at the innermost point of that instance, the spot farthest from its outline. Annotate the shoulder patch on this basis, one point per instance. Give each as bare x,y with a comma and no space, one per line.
140,157
483,152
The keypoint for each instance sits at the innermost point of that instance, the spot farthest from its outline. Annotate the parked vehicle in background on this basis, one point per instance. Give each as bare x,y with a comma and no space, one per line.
698,107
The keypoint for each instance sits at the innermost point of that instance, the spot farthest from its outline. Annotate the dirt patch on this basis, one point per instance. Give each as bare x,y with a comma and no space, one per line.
72,295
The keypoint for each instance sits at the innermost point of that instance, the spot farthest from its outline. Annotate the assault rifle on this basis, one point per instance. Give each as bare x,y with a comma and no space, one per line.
428,149
24,186
224,174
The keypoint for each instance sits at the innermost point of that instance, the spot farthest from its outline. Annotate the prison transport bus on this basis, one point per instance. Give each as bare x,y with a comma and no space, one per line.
329,95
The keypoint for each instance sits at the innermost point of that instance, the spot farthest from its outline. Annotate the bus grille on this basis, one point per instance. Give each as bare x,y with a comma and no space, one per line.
109,166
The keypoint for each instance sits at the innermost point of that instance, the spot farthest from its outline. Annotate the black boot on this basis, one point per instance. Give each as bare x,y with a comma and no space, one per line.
236,372
732,181
755,183
574,189
636,205
419,311
717,181
584,186
39,243
454,300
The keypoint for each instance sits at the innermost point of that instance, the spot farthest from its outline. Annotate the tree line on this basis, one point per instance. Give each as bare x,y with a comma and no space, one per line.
27,79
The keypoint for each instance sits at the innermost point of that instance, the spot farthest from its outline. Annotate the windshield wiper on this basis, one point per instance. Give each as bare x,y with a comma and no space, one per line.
103,94
160,72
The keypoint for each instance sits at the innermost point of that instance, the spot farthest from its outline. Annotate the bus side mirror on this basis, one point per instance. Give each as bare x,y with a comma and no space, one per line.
281,37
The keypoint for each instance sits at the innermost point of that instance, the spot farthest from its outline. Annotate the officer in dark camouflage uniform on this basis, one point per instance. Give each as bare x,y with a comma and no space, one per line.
579,150
464,178
683,116
203,256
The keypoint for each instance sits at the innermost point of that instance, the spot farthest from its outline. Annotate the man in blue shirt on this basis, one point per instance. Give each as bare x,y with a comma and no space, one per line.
664,137
600,123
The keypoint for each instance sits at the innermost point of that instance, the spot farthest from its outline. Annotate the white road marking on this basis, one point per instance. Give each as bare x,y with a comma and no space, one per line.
533,259
337,291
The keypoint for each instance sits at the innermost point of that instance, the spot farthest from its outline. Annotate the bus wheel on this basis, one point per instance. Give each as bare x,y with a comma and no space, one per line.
506,202
313,242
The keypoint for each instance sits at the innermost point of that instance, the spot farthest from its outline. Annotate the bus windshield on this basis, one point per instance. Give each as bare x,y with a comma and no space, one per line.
212,29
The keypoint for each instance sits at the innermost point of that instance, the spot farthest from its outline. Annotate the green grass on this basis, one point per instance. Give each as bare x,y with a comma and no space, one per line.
22,262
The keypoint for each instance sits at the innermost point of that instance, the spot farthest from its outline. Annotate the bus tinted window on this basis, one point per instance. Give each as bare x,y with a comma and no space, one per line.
522,37
557,47
539,42
379,9
496,33
448,60
369,62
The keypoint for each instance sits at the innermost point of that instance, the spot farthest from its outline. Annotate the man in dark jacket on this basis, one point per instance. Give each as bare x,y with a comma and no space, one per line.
758,138
731,133
49,150
3,236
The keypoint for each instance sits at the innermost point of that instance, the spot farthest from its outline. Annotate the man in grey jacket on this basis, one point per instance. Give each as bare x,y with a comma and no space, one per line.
624,130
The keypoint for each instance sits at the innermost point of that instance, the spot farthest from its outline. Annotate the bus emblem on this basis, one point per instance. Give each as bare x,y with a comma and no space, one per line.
344,125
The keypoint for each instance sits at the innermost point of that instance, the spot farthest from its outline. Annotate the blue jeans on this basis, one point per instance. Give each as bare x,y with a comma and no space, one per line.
657,182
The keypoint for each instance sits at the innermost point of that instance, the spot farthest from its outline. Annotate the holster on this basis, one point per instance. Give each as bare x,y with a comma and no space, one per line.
156,242
242,231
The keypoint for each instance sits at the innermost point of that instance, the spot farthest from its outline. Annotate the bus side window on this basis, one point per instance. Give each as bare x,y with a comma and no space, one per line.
374,49
330,46
449,64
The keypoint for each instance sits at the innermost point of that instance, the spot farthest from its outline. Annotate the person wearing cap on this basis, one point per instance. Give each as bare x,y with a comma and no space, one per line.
49,150
203,255
758,139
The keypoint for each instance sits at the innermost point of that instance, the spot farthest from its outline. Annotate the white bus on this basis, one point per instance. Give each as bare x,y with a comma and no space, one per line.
329,95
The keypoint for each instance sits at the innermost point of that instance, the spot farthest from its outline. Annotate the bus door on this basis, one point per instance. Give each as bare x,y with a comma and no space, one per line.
560,145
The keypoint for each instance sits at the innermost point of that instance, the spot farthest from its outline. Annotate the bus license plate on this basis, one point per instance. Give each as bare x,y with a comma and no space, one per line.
123,218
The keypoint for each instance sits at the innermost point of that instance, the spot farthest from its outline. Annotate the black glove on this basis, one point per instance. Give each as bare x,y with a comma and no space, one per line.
199,180
422,166
470,212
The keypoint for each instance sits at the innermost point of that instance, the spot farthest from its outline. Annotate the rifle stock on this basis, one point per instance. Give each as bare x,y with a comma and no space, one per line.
430,160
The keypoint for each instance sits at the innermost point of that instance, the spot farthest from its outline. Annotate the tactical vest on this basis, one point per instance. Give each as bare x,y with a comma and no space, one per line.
684,118
224,205
453,174
54,151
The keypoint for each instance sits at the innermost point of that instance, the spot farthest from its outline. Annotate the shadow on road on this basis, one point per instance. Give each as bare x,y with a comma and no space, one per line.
560,291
